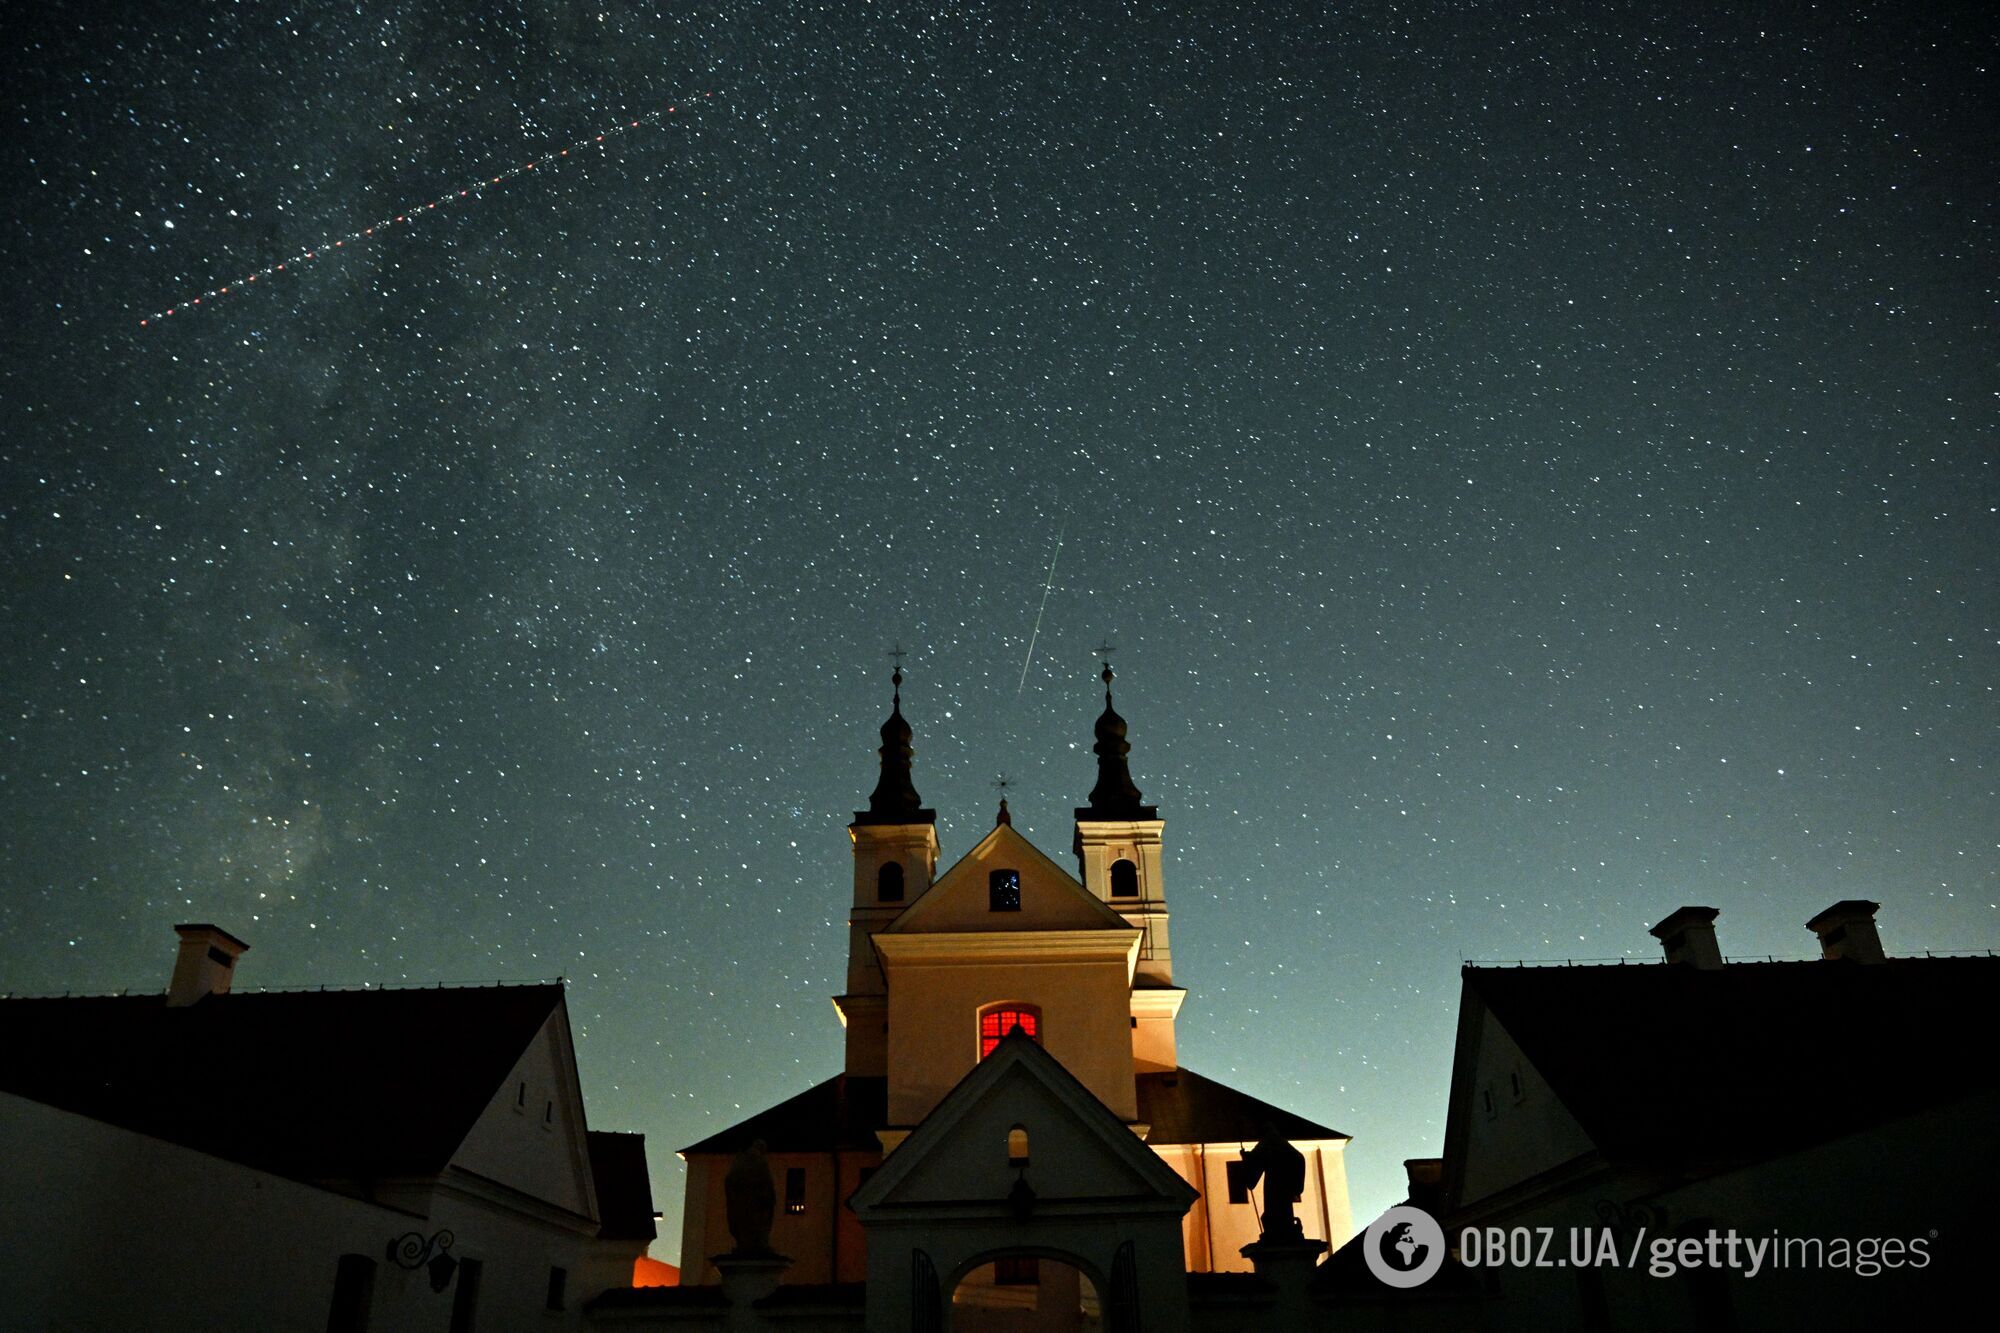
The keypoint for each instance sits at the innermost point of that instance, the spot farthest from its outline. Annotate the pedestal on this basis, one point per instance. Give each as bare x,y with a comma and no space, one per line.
1287,1263
747,1279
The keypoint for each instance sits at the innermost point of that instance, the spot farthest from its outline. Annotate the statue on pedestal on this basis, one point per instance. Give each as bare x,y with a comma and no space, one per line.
1283,1171
752,1201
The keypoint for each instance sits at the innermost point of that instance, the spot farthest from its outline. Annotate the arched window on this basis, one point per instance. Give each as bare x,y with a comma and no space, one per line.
997,1020
889,882
1017,1146
1003,891
1124,879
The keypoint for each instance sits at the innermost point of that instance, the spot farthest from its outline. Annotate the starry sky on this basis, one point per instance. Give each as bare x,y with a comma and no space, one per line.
1536,465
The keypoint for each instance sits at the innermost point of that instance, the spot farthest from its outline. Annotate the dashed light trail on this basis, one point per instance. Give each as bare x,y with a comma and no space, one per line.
471,190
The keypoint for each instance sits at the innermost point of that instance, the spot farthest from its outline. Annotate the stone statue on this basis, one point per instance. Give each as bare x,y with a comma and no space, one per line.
1283,1171
751,1199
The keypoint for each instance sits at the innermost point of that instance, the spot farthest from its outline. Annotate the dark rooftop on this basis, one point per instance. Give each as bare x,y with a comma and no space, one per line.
842,1112
1185,1107
624,1187
317,1086
1740,1062
1181,1107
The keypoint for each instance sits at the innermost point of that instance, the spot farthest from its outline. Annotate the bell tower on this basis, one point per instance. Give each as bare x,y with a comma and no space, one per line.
1118,848
895,857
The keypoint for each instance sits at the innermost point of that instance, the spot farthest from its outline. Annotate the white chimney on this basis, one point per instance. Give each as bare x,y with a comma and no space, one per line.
205,965
1847,930
1688,936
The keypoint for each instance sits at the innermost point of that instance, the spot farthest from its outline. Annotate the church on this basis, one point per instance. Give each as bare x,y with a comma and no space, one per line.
1013,1135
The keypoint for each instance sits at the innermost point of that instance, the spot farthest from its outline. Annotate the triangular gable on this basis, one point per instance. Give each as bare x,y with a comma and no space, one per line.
1078,1149
1521,1135
1051,899
532,1136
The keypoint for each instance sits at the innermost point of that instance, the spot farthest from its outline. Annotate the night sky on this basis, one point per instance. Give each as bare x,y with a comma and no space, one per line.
1537,470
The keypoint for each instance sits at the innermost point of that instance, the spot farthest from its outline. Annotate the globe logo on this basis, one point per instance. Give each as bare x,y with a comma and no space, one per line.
1404,1247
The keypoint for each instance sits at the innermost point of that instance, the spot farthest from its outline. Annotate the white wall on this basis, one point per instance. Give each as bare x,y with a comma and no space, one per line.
108,1229
531,1135
1524,1133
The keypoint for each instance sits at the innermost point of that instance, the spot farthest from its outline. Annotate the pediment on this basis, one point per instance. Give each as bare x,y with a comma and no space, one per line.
1051,898
1078,1150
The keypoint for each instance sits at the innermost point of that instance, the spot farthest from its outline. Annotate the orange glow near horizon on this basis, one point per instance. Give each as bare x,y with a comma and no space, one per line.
650,1272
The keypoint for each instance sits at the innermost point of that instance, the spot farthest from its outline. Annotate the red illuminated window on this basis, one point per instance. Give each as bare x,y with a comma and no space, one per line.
997,1022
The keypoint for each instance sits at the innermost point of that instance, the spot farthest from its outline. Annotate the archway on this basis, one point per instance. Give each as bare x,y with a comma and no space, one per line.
1025,1291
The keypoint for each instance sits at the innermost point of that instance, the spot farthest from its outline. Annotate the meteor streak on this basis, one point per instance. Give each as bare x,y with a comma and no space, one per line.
1046,586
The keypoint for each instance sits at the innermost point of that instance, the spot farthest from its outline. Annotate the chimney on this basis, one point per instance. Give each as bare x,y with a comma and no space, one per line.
206,964
1688,936
1426,1181
1847,930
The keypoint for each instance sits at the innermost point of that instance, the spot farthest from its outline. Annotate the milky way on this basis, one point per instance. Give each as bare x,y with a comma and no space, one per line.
1537,471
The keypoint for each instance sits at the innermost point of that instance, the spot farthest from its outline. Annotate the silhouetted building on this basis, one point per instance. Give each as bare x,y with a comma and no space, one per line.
312,1159
1842,1110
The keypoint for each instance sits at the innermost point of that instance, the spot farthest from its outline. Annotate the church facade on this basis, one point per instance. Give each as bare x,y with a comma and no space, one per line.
1002,982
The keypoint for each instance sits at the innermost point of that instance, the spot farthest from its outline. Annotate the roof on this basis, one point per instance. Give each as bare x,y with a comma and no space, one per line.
624,1187
1182,1106
1747,1060
842,1112
945,1164
314,1085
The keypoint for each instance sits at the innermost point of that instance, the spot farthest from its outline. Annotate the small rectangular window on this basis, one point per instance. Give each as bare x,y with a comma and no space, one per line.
1240,1174
795,1189
549,1115
521,1097
216,955
1003,891
558,1280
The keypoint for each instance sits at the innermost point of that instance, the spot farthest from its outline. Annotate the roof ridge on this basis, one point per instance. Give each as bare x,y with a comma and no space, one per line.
339,988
